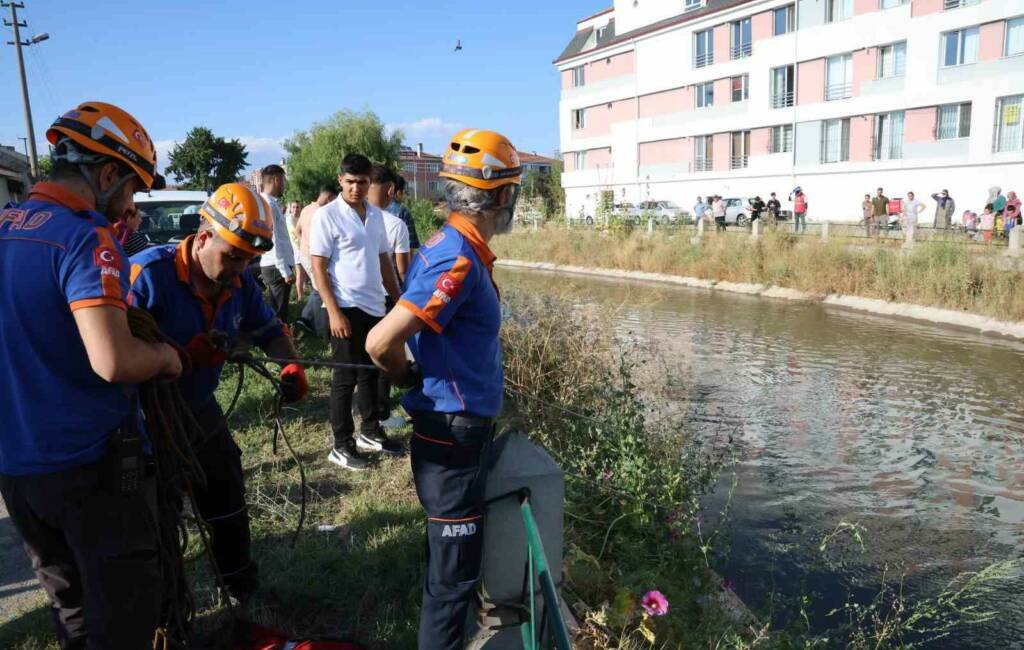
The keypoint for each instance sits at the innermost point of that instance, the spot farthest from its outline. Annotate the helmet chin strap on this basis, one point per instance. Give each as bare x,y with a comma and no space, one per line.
102,198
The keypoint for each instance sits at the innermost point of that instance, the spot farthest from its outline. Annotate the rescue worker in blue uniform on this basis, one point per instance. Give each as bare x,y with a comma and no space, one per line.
450,316
73,468
202,296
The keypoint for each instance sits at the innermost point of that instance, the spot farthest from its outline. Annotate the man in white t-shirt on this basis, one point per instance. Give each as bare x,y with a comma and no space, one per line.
909,209
352,267
382,192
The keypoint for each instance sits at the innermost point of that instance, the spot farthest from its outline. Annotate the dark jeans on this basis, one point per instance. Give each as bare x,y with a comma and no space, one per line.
344,380
720,223
450,472
94,551
314,315
280,291
221,503
383,381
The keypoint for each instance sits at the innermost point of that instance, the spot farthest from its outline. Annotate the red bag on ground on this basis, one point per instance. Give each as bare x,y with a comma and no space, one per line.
263,638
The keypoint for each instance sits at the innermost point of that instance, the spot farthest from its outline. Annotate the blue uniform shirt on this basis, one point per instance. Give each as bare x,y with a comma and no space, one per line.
449,287
56,255
161,284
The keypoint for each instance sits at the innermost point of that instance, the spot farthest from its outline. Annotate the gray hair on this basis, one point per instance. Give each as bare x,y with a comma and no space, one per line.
470,200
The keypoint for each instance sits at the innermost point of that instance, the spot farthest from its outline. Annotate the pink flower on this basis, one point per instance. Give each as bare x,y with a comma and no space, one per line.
655,603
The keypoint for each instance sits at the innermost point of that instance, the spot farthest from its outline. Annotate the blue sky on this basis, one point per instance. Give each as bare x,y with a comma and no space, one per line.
260,70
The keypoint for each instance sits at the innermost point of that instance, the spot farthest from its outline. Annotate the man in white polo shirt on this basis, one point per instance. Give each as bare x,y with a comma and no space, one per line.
352,268
277,266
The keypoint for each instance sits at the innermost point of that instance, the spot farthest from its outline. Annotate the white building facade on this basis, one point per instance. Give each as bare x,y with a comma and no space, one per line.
671,99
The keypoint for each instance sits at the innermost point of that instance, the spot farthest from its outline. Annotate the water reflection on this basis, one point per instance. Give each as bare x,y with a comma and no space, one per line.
913,431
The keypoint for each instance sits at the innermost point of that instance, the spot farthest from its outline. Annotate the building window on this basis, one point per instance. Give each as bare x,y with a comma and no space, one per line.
1009,134
960,47
702,153
581,160
892,60
705,94
835,140
782,86
741,39
579,118
892,4
836,10
435,186
783,19
601,32
409,167
739,150
956,4
838,77
579,77
954,121
704,48
692,5
1014,37
782,139
888,144
433,168
740,87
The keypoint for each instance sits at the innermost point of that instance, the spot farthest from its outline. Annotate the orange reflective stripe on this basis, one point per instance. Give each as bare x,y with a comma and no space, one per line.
136,272
422,315
453,521
434,440
97,302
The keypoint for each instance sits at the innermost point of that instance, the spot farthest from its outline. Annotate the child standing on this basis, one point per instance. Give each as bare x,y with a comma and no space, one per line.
988,222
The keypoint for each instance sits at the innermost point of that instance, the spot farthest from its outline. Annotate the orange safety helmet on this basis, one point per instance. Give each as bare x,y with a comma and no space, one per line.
241,217
481,159
106,130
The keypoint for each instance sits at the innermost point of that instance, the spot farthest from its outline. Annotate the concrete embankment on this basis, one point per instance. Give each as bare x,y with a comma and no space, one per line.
906,311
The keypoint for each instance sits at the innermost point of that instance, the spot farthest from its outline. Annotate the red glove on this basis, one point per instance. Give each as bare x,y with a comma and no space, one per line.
204,350
293,382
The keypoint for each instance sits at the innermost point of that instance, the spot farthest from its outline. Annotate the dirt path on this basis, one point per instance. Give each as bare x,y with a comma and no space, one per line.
19,591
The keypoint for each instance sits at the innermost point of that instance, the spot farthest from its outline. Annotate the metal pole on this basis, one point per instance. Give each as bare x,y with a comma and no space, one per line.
32,160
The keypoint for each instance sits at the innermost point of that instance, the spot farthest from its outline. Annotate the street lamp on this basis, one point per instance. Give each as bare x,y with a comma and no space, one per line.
33,160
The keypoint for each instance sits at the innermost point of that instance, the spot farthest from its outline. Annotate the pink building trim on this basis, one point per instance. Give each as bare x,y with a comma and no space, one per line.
611,67
566,79
723,92
864,6
721,44
865,67
760,140
664,152
990,37
720,146
665,102
599,158
925,7
810,82
761,26
599,118
861,134
919,125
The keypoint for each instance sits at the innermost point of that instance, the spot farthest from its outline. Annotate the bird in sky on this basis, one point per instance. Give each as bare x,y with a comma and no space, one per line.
458,45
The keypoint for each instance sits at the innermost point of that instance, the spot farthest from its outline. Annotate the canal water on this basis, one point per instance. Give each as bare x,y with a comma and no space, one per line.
912,432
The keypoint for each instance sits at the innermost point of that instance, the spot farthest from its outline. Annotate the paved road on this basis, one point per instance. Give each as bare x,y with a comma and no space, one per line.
19,591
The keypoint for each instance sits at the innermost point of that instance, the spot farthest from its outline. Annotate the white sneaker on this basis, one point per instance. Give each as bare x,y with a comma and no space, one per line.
348,458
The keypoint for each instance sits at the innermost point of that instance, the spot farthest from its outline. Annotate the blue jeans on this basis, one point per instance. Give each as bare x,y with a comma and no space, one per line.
799,221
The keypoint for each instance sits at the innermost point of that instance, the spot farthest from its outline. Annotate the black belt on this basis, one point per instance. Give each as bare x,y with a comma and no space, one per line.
430,420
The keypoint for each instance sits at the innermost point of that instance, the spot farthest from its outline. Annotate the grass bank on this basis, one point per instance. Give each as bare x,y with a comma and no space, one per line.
935,274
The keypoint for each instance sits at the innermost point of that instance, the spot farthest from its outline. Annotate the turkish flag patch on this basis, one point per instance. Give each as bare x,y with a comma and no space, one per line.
447,287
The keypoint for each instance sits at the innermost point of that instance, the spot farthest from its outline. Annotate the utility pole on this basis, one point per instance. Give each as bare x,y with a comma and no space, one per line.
17,43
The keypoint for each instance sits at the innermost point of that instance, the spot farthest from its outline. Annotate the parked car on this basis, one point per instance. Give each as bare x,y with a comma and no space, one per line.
664,212
169,215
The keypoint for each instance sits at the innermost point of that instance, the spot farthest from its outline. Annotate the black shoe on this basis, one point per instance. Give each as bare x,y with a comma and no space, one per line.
301,325
378,442
347,457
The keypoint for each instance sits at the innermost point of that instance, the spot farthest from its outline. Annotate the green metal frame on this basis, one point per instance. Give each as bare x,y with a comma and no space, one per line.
537,561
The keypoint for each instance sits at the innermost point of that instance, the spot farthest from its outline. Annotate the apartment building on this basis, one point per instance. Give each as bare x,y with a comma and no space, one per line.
420,171
671,99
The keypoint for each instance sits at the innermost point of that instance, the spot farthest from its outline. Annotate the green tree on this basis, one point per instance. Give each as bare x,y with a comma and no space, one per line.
45,166
204,161
313,156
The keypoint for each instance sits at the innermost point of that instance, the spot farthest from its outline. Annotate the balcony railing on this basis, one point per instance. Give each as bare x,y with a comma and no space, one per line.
781,100
702,60
838,91
702,164
740,51
738,162
956,4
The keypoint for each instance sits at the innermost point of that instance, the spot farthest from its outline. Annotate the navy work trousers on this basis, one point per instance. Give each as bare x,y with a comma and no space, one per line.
450,471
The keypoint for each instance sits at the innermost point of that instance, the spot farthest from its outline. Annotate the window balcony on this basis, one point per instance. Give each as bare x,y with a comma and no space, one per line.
703,60
738,162
782,100
838,91
741,51
702,164
956,4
